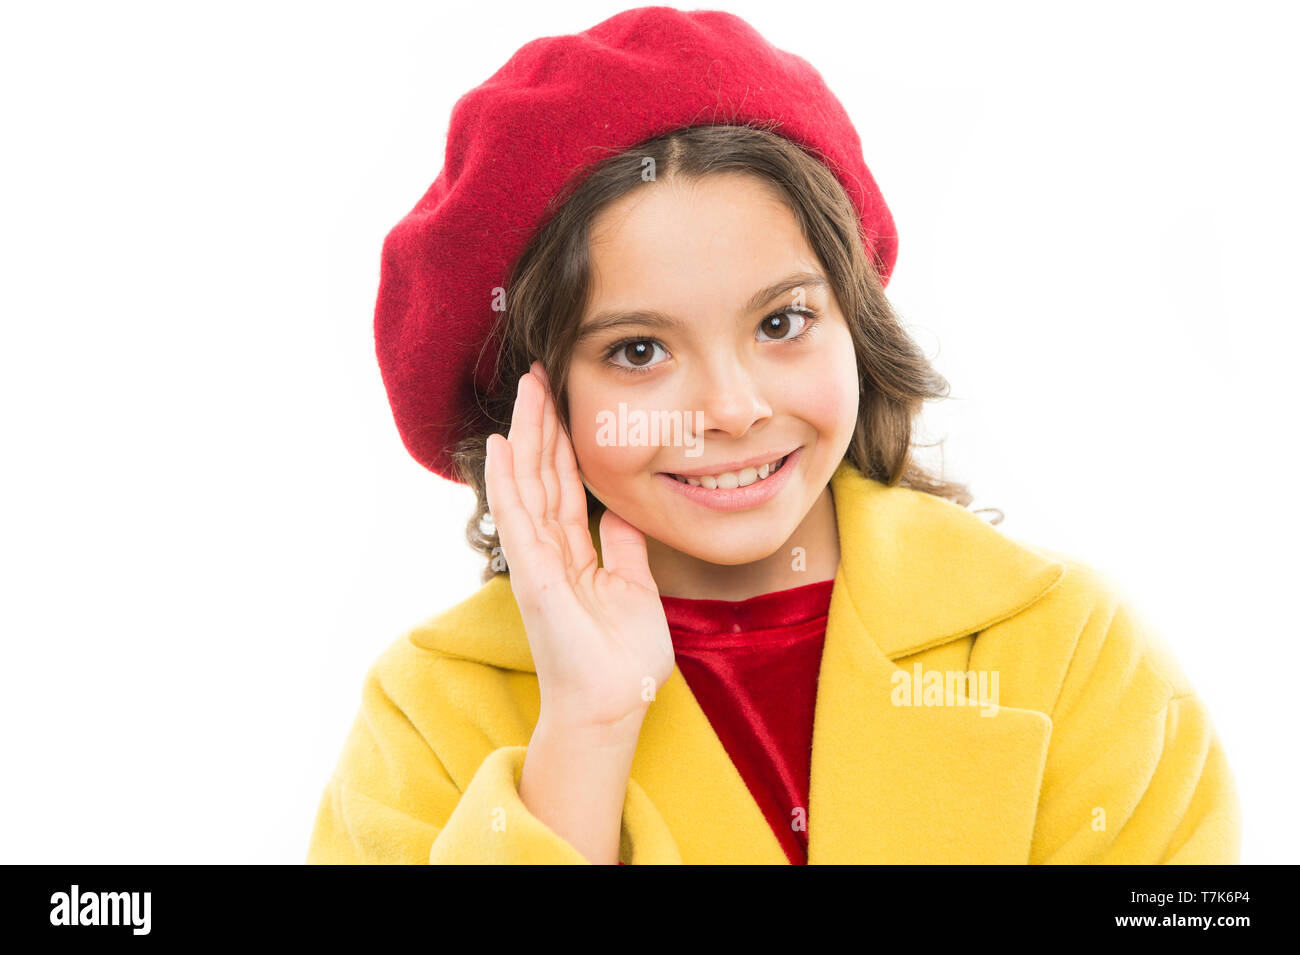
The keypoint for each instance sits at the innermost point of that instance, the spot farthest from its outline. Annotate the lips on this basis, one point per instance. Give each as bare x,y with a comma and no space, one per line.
727,480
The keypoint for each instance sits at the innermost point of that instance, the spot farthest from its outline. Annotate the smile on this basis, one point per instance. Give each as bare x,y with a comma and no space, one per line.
740,490
729,479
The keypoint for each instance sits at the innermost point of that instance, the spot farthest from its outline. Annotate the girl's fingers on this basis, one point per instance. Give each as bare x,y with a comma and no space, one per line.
546,480
572,505
550,425
567,495
623,548
573,496
526,446
515,531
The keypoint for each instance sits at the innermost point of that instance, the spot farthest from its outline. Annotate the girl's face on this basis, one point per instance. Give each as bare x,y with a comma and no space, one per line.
727,325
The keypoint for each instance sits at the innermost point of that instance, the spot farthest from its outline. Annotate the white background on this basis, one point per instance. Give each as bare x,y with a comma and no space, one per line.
211,528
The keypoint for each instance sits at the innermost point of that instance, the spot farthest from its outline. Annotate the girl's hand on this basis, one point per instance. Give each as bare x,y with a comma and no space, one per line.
598,635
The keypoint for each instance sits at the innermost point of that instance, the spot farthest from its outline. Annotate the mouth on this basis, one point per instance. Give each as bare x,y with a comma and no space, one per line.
750,487
726,480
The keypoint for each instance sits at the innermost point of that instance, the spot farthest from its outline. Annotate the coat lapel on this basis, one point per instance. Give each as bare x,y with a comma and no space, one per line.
912,784
919,784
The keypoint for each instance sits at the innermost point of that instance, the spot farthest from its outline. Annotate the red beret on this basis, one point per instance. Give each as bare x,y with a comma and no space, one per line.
516,139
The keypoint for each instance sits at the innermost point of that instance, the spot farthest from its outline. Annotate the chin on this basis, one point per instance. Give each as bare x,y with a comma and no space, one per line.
721,550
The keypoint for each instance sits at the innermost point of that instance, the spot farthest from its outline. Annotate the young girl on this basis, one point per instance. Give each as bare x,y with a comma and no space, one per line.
726,617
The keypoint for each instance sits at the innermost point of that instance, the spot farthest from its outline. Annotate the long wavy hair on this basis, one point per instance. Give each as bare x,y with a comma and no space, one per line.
548,289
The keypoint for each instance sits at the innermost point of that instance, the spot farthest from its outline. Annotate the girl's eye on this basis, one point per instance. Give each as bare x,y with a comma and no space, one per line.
779,322
639,352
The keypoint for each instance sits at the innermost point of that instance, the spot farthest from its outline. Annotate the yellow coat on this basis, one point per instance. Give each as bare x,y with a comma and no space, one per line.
1098,751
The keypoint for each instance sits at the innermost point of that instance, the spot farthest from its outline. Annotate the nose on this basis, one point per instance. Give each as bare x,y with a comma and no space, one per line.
730,397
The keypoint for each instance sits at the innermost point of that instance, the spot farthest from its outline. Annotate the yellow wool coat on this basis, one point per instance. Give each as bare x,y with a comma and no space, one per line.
1098,750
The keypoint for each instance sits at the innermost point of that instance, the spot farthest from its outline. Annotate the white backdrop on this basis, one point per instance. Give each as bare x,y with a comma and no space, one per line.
210,525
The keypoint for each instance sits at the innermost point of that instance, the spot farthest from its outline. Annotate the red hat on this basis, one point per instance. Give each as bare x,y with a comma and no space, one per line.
516,139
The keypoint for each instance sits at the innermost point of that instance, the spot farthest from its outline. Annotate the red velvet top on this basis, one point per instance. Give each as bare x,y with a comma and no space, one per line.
752,665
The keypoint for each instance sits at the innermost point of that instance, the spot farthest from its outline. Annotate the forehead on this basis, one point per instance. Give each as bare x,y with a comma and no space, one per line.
714,241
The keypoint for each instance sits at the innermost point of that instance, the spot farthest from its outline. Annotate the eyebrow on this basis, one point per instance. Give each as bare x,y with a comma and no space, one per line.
652,319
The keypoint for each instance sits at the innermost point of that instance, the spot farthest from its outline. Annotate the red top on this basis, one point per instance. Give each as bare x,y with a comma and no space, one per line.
752,665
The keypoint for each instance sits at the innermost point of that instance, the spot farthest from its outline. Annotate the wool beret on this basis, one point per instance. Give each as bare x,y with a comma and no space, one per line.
557,106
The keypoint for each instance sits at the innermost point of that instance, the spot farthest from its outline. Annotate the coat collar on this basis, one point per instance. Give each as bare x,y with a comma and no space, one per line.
916,569
888,783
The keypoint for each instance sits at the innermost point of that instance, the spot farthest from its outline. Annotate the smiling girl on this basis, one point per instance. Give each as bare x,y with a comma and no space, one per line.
762,644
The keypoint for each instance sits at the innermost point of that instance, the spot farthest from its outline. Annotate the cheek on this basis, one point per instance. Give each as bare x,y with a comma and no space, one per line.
589,404
827,393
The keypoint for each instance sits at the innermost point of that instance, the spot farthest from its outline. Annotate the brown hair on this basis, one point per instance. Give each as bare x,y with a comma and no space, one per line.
548,290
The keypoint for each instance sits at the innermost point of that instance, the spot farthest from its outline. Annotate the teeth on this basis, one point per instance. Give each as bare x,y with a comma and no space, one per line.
732,479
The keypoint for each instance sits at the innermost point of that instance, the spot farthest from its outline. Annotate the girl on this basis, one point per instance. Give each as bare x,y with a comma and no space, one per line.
725,617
